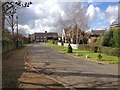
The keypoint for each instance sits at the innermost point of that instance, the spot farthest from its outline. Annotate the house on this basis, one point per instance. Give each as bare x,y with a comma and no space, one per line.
31,37
43,37
98,32
115,24
72,35
95,35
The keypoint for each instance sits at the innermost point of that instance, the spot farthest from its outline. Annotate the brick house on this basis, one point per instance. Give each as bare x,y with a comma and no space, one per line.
72,35
43,37
95,35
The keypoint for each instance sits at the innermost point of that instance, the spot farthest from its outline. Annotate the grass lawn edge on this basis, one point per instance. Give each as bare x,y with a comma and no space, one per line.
71,54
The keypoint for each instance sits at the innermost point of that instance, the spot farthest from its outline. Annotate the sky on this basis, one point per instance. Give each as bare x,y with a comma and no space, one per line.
43,15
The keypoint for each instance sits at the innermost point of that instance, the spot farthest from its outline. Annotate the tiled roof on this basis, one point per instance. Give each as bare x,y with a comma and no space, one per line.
98,32
48,34
52,34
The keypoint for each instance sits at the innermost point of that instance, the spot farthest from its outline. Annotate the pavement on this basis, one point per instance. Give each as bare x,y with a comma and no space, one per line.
70,71
18,74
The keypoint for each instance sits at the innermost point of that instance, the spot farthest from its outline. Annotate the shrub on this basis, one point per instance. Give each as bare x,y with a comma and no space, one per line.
116,36
99,56
69,49
111,38
107,38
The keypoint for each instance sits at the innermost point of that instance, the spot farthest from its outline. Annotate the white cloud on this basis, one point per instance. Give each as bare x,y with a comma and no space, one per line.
95,12
91,11
105,16
24,29
112,13
41,16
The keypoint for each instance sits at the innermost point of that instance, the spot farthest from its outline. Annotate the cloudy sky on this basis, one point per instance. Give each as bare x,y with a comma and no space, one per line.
43,15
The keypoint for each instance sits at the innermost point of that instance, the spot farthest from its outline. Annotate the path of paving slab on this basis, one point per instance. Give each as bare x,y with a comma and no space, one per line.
16,73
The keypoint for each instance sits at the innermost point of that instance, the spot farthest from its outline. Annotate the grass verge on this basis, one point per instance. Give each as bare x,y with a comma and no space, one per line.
82,54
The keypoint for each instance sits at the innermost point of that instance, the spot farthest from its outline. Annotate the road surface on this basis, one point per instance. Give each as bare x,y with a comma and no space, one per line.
70,71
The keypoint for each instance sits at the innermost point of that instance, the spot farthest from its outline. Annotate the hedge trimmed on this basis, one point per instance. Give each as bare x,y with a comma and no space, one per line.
105,50
88,47
110,51
8,45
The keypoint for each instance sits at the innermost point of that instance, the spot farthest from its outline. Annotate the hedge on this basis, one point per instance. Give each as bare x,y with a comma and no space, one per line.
105,50
8,45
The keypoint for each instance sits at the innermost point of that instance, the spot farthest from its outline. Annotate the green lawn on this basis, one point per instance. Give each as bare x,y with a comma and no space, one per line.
82,54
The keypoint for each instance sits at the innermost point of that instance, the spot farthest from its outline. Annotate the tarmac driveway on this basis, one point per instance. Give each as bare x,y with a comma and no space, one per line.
70,71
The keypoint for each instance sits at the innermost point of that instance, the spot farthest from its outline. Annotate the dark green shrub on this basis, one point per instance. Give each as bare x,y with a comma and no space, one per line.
99,56
108,39
69,49
116,36
95,49
111,38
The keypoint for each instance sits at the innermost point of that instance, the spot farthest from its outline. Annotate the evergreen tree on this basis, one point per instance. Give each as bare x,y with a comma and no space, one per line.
108,39
69,49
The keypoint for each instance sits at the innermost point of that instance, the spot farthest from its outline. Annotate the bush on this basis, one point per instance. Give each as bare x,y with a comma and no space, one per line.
108,38
116,36
99,56
111,38
69,49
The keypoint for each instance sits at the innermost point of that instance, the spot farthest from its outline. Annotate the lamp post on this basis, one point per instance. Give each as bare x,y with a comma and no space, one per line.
17,31
3,19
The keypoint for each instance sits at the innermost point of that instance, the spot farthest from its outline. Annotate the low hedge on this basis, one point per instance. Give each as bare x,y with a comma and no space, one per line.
8,45
88,47
110,51
105,50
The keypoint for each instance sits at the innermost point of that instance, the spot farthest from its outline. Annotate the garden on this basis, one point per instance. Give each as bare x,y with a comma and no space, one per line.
106,49
86,54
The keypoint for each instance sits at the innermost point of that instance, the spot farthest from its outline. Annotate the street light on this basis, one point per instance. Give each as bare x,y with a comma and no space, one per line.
17,31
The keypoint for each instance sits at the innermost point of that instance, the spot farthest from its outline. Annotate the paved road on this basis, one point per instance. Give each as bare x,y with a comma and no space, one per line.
71,71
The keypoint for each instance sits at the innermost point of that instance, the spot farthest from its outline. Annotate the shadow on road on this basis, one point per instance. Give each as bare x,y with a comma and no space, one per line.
84,74
12,67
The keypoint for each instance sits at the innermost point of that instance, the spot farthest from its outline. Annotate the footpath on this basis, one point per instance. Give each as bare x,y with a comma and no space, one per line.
17,74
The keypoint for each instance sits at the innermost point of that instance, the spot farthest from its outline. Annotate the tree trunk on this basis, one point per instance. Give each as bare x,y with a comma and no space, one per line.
76,34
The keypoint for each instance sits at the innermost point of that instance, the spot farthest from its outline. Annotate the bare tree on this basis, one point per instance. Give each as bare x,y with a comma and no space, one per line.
75,17
76,14
9,10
